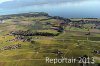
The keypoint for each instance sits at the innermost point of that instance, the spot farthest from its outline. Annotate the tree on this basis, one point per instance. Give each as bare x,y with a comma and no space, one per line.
60,29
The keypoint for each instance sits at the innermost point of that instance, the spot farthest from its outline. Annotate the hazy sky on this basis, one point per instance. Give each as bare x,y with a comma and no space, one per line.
65,8
21,3
1,1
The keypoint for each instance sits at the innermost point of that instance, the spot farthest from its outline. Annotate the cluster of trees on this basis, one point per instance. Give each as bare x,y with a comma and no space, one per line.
96,52
11,47
23,38
60,29
61,18
28,33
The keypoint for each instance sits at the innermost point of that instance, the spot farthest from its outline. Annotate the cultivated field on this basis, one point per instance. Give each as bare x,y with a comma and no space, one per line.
27,40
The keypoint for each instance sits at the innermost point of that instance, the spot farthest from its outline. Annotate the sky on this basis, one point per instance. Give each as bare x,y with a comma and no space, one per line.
1,1
10,4
67,8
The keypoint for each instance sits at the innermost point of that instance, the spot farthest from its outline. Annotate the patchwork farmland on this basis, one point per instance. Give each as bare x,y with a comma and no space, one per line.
27,39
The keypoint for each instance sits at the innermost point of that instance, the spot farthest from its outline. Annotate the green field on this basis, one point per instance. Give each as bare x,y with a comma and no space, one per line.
72,42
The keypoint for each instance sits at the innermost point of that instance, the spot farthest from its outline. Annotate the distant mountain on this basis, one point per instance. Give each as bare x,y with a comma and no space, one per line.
31,14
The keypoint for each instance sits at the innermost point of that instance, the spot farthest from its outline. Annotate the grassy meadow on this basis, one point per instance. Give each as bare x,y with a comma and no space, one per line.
72,42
